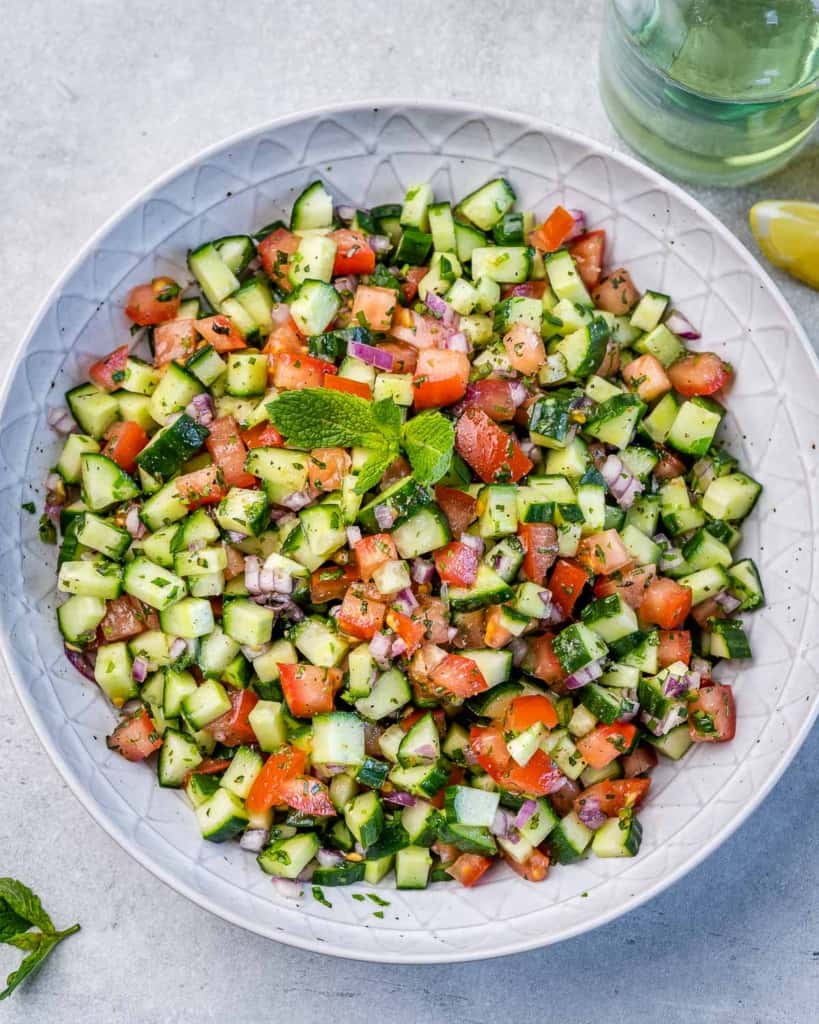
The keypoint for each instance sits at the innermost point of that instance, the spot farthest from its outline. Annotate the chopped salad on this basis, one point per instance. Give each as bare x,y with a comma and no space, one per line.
407,544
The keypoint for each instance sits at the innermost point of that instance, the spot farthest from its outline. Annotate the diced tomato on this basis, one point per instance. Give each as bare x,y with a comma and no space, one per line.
631,584
457,564
330,583
446,852
353,253
234,728
469,868
699,373
283,764
669,466
124,618
540,544
433,616
642,759
613,795
124,441
405,357
489,749
460,508
409,630
307,795
524,349
588,252
293,371
210,766
603,553
459,675
309,689
666,603
153,303
350,387
538,777
646,376
616,294
274,251
496,635
492,453
175,340
283,338
494,397
712,717
541,661
108,373
235,562
675,645
228,451
566,584
554,231
203,487
470,626
527,289
136,738
441,376
373,551
409,287
361,616
534,869
375,306
326,468
220,332
525,711
706,610
605,743
263,435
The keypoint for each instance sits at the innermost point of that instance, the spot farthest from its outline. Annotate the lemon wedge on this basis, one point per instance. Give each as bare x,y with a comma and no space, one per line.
788,233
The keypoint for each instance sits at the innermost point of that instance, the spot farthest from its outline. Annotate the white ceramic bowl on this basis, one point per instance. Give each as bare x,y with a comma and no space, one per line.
369,154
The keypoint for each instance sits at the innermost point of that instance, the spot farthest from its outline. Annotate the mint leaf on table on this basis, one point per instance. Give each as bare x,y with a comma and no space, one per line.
429,440
21,910
319,418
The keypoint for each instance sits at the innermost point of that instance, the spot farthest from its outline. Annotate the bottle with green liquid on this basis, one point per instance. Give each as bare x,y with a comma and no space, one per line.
717,92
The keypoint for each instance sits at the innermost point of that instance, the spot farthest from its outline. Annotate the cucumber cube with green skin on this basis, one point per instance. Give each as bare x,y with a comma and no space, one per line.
268,723
189,618
243,511
661,343
577,646
600,390
615,421
746,585
205,704
528,600
642,549
247,622
499,516
625,677
565,279
705,583
487,205
364,817
177,685
716,463
540,824
567,757
731,497
69,465
421,745
509,264
728,639
79,617
348,872
703,550
657,424
95,578
404,498
178,757
420,780
605,705
674,744
104,483
113,673
550,421
505,557
95,410
412,867
287,858
583,349
610,618
320,641
199,787
372,773
455,743
523,746
314,307
571,461
338,738
652,699
221,817
618,837
694,427
171,447
468,838
389,694
423,532
246,373
583,720
518,309
644,514
532,507
343,787
469,806
570,839
638,650
421,823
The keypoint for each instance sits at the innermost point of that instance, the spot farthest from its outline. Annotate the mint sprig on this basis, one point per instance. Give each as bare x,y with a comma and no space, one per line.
20,911
320,418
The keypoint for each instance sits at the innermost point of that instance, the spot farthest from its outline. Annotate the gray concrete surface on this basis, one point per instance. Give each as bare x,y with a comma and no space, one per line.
99,97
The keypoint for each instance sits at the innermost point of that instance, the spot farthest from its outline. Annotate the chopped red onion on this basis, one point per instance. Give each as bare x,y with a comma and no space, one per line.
591,813
235,537
53,482
681,326
407,599
377,357
329,858
527,809
451,633
531,451
254,840
130,707
272,578
380,649
200,408
346,213
280,314
282,604
436,305
727,602
503,824
701,667
61,421
671,558
400,799
503,564
704,472
458,342
519,648
133,524
353,535
579,225
422,570
426,750
177,648
676,715
399,648
584,675
379,243
623,485
546,597
81,663
298,499
306,872
518,392
629,707
474,542
253,566
385,516
139,669
347,283
335,611
53,511
287,888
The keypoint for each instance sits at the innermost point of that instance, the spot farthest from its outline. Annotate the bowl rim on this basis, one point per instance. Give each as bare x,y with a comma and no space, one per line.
179,884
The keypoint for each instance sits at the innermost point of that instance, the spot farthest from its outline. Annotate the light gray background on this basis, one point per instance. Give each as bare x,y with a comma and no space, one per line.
98,98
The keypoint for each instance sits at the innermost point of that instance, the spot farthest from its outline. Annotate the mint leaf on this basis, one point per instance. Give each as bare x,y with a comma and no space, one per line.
319,418
22,901
11,923
429,440
387,417
374,468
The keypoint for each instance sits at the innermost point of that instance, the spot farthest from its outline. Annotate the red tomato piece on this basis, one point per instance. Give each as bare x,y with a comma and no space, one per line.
263,435
489,749
524,349
174,341
407,628
699,373
353,253
669,466
233,728
588,253
136,738
203,487
494,397
534,869
554,231
124,441
350,387
541,661
309,689
616,294
373,551
712,717
527,289
108,373
605,743
631,584
409,287
613,795
566,584
327,467
540,543
283,338
460,508
666,603
361,616
643,759
459,675
405,357
675,645
457,564
235,562
538,777
496,635
330,583
228,451
274,251
433,616
124,618
441,376
469,868
647,377
283,764
307,795
153,303
603,553
293,371
220,332
492,453
375,306
210,766
525,711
